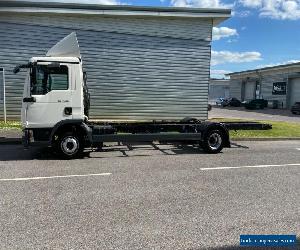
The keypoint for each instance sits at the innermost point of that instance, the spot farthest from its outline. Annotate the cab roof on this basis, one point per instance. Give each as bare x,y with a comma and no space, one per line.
55,59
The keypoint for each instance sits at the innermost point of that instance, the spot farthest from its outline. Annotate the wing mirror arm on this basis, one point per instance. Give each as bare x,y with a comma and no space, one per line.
29,99
19,67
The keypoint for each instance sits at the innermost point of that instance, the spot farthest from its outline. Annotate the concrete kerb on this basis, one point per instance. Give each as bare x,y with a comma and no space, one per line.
267,139
10,136
10,141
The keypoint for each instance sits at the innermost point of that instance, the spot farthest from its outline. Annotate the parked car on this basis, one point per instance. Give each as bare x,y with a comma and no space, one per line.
296,108
256,104
220,101
232,102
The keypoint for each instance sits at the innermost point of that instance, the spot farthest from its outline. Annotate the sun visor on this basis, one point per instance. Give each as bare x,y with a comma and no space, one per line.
67,47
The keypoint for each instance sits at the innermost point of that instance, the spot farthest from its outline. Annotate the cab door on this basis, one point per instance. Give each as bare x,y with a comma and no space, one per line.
50,98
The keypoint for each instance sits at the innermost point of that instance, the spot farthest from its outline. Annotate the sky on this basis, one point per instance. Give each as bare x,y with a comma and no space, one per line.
260,32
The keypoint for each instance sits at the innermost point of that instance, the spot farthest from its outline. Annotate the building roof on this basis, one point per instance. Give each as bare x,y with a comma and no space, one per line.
218,15
222,82
277,67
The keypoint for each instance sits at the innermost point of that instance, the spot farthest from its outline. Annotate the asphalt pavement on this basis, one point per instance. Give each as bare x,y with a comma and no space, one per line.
161,197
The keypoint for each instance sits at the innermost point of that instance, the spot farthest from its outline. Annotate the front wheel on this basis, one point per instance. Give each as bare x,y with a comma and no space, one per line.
213,142
69,146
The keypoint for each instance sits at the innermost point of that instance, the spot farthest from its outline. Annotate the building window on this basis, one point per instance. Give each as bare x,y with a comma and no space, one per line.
279,88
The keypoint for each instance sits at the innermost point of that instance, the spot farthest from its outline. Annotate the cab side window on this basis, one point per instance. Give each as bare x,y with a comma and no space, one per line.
48,78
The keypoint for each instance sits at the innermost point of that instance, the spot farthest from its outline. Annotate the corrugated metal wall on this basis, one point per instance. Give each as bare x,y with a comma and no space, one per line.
217,91
159,71
184,28
235,88
1,87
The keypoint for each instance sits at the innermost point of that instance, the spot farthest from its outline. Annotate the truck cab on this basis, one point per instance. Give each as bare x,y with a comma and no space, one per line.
53,92
55,95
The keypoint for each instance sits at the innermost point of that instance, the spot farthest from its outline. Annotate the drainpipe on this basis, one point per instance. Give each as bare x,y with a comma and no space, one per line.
4,96
260,83
287,94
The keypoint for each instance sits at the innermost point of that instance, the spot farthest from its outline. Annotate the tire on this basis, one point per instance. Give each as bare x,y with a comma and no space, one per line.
213,141
69,146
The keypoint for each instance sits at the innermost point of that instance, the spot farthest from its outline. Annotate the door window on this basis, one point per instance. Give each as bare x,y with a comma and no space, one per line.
48,78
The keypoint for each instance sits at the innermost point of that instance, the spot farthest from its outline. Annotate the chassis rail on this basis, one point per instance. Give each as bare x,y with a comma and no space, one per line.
147,137
247,126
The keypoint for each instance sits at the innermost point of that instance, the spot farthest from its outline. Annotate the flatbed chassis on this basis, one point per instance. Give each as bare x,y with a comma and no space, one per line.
71,137
148,131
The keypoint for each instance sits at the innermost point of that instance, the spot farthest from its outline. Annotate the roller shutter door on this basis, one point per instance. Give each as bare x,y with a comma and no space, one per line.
294,91
216,91
250,88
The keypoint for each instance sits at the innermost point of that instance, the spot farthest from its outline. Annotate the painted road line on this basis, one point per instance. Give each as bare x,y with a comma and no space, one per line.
54,177
258,166
298,149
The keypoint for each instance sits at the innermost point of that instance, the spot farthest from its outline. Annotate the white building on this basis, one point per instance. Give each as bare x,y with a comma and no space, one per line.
279,83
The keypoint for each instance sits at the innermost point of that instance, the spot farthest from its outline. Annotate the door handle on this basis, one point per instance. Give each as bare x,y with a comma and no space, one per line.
29,99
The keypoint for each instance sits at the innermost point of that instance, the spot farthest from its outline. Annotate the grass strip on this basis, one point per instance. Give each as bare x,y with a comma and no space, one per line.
279,130
10,125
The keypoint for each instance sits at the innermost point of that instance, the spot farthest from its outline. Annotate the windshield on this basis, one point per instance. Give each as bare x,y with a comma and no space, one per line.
46,78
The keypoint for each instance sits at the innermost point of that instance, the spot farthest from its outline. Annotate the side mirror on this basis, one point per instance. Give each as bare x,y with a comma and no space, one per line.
16,70
24,66
29,99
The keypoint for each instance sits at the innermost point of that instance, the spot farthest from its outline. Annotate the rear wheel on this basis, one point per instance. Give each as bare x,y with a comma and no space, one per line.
213,142
69,146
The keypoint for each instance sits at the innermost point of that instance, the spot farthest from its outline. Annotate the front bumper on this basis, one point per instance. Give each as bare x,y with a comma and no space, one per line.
29,140
26,138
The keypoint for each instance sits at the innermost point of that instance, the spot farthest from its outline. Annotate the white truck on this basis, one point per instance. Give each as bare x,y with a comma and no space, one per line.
56,104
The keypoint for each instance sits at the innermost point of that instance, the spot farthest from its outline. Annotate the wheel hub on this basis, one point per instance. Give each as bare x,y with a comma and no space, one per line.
70,145
215,141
